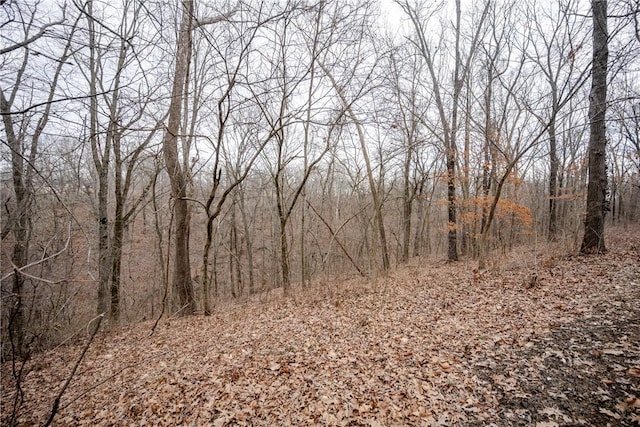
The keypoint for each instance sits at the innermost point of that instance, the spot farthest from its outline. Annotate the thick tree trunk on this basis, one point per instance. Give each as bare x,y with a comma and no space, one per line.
284,258
19,258
182,266
181,280
282,223
593,240
21,227
204,272
116,261
485,187
104,267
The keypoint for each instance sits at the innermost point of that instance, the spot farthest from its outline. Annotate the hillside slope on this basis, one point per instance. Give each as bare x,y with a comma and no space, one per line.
539,340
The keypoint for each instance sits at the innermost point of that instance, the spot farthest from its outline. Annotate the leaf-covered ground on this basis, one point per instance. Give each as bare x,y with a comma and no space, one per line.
538,340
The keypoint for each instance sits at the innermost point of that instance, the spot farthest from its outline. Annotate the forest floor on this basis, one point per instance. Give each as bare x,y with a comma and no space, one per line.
543,338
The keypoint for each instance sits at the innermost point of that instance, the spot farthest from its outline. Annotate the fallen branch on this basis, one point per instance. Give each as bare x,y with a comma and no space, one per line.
56,402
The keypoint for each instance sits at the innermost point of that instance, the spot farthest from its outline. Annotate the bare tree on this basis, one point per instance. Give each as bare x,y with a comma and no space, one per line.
448,113
404,80
238,144
557,54
505,123
178,176
593,240
23,140
115,108
352,72
101,155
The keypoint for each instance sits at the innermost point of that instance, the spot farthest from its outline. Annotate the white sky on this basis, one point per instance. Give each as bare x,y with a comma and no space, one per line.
393,18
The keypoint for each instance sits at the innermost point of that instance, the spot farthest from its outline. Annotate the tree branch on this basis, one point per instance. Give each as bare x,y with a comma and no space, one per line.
197,23
33,38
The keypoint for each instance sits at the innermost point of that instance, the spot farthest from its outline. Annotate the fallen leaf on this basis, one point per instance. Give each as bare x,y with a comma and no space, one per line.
622,407
556,413
445,367
633,402
609,413
634,371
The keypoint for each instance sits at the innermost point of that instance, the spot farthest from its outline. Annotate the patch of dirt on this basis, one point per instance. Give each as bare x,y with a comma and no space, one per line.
541,340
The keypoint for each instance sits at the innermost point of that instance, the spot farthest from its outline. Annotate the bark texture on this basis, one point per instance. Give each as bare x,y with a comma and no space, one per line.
593,240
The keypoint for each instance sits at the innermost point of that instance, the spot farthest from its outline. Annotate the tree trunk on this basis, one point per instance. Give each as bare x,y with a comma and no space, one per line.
159,243
122,217
452,249
407,205
248,242
235,253
282,224
593,240
116,260
181,280
284,258
489,135
466,176
114,138
101,162
21,227
419,226
204,272
125,168
554,164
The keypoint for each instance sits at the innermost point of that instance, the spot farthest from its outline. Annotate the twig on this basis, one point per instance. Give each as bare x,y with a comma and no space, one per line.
72,335
20,270
110,377
178,312
168,318
334,236
56,402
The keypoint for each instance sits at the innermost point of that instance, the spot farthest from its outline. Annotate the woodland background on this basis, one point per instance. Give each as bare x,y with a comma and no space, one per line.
156,162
